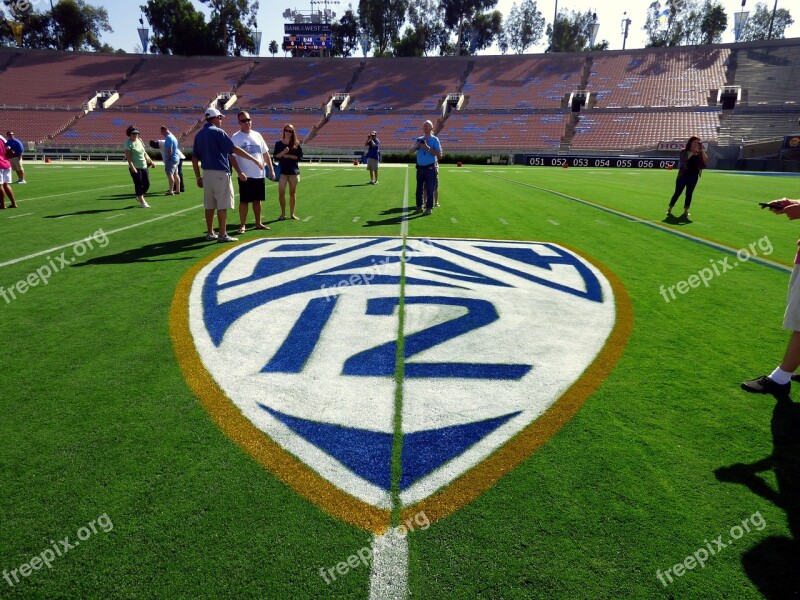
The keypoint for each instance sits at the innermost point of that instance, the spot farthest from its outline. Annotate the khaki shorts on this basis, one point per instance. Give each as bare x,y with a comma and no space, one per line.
16,163
217,190
372,164
791,320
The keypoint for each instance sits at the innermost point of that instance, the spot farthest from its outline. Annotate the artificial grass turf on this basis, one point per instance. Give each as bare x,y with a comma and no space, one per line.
97,417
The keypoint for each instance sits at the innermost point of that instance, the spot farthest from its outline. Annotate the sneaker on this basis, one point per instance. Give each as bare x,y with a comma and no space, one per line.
427,212
376,183
796,378
226,238
210,237
144,205
418,209
22,181
765,385
436,205
169,194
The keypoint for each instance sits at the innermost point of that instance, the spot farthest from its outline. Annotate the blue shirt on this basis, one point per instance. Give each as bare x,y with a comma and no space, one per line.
425,158
15,146
171,149
373,150
213,147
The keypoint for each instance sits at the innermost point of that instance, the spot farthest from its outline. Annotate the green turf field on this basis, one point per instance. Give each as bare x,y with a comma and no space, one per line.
104,442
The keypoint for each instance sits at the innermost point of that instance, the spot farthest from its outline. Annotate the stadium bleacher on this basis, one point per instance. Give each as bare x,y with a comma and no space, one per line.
508,104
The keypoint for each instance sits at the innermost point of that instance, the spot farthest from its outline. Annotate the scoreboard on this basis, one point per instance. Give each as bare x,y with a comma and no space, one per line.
307,36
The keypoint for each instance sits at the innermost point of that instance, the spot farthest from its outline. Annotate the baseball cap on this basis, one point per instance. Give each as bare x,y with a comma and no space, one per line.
213,112
10,133
131,130
373,133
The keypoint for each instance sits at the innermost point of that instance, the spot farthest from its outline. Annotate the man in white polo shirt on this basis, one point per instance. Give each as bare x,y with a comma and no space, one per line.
252,185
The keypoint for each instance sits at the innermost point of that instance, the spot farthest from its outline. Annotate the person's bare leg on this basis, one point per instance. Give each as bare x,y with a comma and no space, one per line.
242,216
791,359
293,198
210,221
222,219
282,196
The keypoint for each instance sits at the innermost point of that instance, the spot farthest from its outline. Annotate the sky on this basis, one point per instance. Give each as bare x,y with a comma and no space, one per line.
123,16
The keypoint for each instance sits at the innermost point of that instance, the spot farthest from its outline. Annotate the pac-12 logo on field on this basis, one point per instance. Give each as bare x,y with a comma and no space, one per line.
372,372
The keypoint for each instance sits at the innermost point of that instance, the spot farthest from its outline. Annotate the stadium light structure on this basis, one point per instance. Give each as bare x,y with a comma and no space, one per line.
626,23
144,34
593,29
739,22
772,20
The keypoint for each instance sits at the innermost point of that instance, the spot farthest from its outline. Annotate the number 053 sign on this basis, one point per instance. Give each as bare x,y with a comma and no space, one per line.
371,371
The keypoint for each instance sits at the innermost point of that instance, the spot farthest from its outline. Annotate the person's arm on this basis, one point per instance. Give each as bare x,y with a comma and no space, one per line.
435,149
417,145
129,158
196,167
268,163
239,152
238,169
788,207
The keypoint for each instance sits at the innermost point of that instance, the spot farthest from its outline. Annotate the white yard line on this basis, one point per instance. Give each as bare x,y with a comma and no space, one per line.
108,233
388,578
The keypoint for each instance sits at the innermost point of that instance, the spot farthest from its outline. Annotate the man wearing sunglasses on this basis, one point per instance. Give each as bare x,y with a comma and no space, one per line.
212,149
252,186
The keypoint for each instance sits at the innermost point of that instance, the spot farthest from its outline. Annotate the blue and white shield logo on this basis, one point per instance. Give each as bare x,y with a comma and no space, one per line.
375,372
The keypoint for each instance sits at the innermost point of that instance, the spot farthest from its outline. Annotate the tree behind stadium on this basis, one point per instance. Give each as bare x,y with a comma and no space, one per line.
178,28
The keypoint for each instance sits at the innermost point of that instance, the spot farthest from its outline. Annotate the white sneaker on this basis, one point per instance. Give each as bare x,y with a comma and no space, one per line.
210,237
22,181
144,205
226,238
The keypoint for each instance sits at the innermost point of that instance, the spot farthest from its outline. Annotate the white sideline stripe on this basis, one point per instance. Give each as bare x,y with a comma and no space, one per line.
687,236
504,222
108,233
110,187
22,215
553,222
355,219
453,220
388,578
308,218
404,222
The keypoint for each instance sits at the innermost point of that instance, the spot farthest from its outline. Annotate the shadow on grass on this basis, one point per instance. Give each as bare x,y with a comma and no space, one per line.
352,185
673,220
151,252
403,214
772,564
93,211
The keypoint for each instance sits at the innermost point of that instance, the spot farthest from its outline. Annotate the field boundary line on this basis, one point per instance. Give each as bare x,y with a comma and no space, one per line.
687,236
112,232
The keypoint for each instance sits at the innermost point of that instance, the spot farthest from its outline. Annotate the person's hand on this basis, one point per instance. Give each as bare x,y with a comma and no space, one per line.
133,170
242,177
272,174
199,182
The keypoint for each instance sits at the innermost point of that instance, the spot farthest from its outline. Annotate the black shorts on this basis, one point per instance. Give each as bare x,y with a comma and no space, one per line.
252,190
